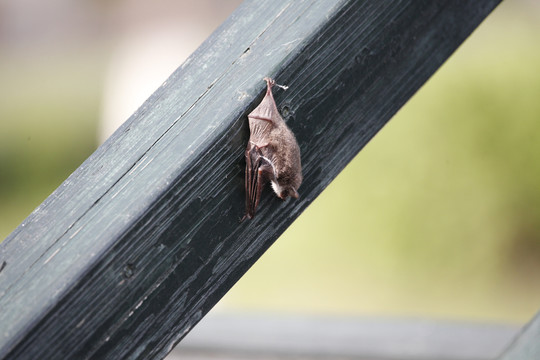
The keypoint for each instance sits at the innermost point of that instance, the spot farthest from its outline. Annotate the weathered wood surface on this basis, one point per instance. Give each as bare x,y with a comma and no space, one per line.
128,254
526,345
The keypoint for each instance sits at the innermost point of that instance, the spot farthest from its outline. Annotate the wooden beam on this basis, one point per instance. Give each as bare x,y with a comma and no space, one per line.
526,345
129,253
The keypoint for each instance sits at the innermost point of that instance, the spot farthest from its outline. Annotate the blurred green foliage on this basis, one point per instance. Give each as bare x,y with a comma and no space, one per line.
49,109
438,216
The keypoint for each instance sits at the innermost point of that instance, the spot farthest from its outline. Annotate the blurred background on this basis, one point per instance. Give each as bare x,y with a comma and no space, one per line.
438,217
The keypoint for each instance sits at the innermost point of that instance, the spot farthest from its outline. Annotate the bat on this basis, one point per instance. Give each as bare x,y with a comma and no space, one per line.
272,154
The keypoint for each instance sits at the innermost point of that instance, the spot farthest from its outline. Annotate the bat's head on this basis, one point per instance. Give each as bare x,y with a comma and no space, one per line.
286,192
283,191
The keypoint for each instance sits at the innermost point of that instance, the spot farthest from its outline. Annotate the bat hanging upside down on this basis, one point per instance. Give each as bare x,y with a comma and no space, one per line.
272,154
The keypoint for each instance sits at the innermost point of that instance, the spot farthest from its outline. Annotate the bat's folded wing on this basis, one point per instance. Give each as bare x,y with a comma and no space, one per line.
258,172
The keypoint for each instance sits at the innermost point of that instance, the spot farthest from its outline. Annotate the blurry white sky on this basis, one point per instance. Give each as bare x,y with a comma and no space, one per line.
31,23
147,40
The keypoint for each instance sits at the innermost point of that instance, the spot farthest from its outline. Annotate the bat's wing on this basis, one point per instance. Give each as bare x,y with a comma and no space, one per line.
259,171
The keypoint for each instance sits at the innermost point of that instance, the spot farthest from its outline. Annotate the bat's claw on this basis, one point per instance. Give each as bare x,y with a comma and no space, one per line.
269,81
246,216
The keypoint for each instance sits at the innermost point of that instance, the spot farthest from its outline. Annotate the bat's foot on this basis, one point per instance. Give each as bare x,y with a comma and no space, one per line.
270,82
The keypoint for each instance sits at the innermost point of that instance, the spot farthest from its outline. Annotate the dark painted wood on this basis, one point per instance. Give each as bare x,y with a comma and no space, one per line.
128,254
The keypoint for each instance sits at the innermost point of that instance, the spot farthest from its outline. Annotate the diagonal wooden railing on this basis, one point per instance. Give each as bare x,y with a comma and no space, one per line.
139,243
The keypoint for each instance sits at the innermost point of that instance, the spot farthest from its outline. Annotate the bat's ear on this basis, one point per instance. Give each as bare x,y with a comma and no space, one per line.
293,193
